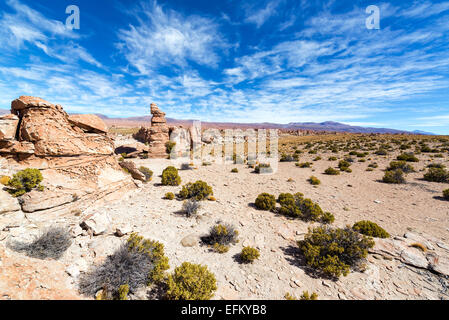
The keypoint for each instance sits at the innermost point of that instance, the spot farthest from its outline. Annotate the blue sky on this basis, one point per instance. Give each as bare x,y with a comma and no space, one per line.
235,61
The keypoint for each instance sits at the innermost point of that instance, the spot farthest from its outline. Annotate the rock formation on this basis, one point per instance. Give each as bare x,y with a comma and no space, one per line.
157,135
74,153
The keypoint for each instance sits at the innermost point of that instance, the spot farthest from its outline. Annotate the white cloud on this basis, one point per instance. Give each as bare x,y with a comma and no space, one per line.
165,37
259,17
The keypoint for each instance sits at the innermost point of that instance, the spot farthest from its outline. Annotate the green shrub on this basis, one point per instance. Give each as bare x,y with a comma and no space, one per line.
394,176
331,171
147,173
288,158
170,177
191,282
381,152
369,228
314,180
263,168
249,254
265,201
334,252
24,181
123,291
155,250
327,218
409,157
403,165
332,158
199,190
343,165
169,145
306,296
4,180
437,175
169,196
296,206
234,170
221,236
446,194
303,164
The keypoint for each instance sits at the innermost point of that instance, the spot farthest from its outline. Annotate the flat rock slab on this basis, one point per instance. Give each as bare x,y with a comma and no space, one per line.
42,200
8,203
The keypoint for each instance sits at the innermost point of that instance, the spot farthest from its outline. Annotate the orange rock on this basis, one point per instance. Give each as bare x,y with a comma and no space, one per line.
89,122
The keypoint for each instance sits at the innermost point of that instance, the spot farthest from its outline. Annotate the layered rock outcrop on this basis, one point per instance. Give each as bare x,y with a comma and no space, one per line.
155,136
74,153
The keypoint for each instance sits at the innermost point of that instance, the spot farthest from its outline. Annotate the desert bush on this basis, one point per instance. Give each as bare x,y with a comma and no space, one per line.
24,181
235,170
332,158
334,252
437,175
446,194
303,164
409,157
317,158
4,180
403,165
191,282
199,190
123,291
124,266
306,296
249,254
289,158
436,165
170,177
369,228
381,152
314,181
331,171
221,236
169,196
263,168
155,250
146,172
343,165
169,145
327,218
265,201
190,207
52,243
394,176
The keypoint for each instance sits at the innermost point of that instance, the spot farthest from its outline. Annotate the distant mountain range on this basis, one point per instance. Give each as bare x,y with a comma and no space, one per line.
323,126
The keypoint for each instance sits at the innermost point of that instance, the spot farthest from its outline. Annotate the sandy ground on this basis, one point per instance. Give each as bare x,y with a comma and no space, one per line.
350,197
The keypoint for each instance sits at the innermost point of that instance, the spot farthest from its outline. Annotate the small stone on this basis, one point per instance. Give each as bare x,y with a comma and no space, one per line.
189,241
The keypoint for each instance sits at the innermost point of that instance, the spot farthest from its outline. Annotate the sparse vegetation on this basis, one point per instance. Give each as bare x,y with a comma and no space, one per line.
50,245
331,171
169,196
334,252
314,181
170,177
437,175
265,201
370,228
394,176
249,254
221,236
191,282
190,207
24,181
446,194
147,173
199,190
169,145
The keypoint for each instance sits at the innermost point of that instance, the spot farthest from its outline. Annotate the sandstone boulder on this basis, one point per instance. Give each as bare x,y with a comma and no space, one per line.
8,203
132,169
97,223
89,123
47,199
8,127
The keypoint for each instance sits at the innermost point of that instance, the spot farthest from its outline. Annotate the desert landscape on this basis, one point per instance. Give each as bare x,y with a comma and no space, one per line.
101,189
